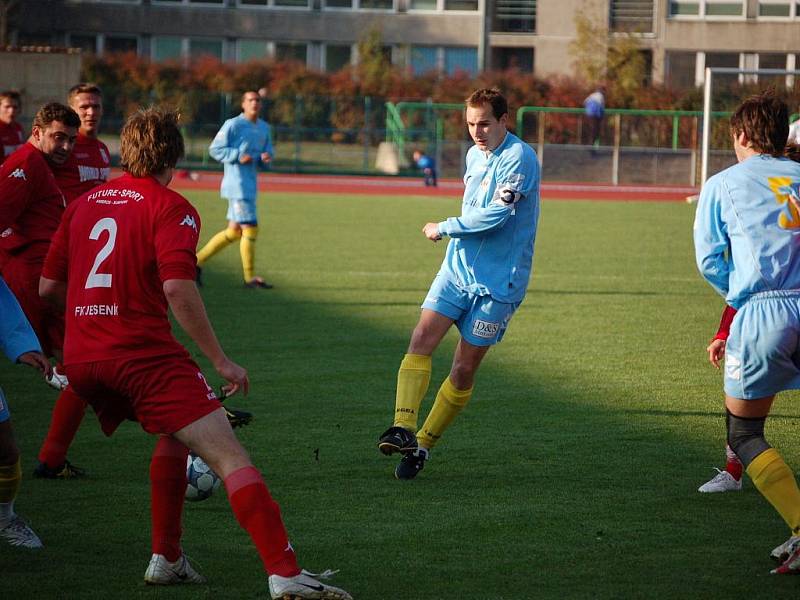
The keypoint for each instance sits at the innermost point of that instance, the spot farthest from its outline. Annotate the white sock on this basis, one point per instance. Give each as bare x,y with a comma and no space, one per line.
6,511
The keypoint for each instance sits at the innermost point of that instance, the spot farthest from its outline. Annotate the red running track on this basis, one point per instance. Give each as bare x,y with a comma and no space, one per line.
404,186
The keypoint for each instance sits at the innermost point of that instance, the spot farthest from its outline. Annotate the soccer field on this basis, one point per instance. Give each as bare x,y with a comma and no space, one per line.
572,473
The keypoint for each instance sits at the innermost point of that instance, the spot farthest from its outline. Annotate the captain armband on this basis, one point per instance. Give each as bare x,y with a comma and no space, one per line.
506,196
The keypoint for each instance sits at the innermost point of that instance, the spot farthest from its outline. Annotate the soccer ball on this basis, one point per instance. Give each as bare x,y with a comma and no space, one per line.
202,481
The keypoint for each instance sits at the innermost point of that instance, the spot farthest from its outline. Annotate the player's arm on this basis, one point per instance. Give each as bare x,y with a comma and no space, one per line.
17,187
716,348
222,147
711,242
53,281
187,306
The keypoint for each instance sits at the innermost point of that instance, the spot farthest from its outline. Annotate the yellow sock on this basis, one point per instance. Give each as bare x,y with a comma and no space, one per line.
247,248
776,482
449,402
413,379
221,240
10,477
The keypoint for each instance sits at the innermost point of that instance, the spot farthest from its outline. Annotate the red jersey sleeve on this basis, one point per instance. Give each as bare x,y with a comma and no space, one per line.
176,236
55,265
725,323
18,183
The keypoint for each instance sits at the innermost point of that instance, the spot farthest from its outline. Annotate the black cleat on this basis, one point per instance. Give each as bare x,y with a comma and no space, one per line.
257,283
397,439
238,418
411,464
65,471
198,277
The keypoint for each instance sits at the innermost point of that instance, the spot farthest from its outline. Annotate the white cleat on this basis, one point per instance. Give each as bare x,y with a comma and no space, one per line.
57,380
782,552
162,572
305,585
721,482
18,533
791,566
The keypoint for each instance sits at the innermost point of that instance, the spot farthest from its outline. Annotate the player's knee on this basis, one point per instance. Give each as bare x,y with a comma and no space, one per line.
233,233
250,232
746,437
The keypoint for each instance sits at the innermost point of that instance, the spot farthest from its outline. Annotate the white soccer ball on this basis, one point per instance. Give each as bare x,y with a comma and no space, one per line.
201,480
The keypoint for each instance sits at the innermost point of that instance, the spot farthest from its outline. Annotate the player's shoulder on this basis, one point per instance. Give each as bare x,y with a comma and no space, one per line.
27,158
517,152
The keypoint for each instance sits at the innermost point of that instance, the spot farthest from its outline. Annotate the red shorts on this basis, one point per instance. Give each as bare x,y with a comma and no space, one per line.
162,393
22,276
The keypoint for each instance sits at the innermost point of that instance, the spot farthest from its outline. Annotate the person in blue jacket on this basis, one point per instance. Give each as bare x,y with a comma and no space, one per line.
481,283
241,145
19,344
427,165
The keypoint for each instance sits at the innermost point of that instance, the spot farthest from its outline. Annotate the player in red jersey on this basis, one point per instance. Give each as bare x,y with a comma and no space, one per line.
89,164
87,167
12,135
123,254
31,205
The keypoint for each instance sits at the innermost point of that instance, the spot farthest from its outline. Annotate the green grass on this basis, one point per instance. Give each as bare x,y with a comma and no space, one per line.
572,474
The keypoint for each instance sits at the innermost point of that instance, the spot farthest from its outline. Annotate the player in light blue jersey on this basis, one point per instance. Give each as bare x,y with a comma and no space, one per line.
482,280
18,342
747,246
241,145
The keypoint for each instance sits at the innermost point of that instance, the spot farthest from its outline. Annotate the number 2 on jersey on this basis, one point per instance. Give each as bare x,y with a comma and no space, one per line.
95,279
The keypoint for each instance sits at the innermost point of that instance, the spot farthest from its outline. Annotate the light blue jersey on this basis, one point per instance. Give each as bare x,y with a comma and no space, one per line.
746,230
491,248
236,137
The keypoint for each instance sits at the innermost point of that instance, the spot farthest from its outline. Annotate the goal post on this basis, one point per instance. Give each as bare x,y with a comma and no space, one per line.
707,114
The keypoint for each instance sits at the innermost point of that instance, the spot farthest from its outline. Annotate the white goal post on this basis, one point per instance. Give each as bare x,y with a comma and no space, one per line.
707,115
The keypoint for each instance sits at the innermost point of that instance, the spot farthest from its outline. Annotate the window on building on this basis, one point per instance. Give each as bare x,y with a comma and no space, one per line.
632,15
205,47
376,4
167,48
119,44
513,58
298,3
423,4
251,50
772,61
337,57
291,51
424,59
338,3
514,16
680,69
218,2
461,59
461,5
87,43
35,39
779,8
707,8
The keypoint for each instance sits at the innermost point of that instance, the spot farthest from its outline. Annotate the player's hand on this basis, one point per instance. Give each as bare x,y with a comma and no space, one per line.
716,351
38,361
431,231
245,158
266,157
236,377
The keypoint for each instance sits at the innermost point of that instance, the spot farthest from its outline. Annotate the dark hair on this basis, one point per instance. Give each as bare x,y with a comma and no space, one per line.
150,142
764,120
84,88
493,97
258,96
12,95
55,111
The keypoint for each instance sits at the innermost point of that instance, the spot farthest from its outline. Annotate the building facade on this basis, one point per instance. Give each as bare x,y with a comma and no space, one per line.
679,37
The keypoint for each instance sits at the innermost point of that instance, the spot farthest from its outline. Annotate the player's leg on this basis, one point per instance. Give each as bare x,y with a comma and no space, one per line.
212,438
221,240
247,250
12,527
413,379
68,414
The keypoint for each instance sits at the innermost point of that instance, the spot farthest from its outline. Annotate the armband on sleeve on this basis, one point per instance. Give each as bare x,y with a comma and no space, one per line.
506,196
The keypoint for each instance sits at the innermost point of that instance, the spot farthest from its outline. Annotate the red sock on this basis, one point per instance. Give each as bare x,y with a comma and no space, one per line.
260,516
167,490
67,416
732,463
